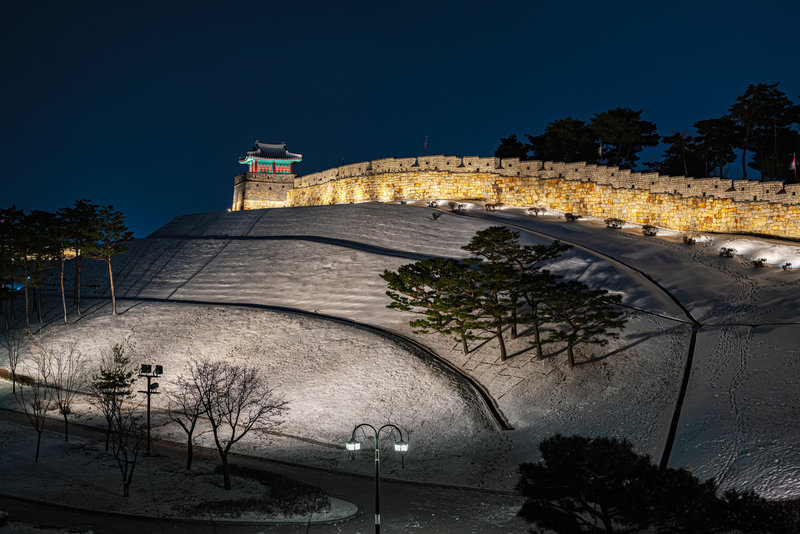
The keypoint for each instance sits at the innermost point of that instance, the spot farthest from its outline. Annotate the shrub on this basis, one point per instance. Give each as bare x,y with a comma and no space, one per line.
689,240
432,203
787,266
282,496
760,262
535,211
649,230
614,223
727,252
25,380
571,216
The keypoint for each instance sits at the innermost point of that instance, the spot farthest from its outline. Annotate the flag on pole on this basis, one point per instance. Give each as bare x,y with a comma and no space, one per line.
793,166
600,151
426,145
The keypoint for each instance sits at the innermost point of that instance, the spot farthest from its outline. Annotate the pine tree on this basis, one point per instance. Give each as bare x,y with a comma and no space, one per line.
81,221
442,291
496,298
584,315
624,134
515,272
111,238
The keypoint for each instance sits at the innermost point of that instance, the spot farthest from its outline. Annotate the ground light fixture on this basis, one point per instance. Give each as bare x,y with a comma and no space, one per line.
400,446
147,371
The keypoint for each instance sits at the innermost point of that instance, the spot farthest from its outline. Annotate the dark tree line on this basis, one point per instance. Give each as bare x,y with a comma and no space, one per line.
37,242
762,124
503,286
600,485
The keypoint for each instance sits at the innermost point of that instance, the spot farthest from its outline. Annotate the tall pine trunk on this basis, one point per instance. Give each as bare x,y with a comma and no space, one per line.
39,307
27,307
537,339
111,281
499,334
570,355
63,296
513,323
66,428
77,296
744,154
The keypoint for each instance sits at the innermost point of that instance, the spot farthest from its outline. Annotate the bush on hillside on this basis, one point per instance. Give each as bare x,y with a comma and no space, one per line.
649,230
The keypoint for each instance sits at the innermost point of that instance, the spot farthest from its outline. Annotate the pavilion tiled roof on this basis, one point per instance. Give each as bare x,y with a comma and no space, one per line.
265,150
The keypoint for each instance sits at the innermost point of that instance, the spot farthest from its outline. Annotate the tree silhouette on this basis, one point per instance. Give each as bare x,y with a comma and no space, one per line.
600,485
511,147
81,219
111,238
764,118
716,140
624,134
236,399
682,157
567,140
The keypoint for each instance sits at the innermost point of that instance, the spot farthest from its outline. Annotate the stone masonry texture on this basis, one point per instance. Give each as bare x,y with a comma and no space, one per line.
676,202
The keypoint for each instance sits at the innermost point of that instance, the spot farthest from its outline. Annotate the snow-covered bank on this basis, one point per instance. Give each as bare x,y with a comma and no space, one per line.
328,259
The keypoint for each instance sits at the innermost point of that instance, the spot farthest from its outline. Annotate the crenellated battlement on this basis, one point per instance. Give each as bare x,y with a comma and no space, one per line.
677,202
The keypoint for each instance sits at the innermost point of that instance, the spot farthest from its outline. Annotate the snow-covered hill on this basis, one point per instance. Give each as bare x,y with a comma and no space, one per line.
740,414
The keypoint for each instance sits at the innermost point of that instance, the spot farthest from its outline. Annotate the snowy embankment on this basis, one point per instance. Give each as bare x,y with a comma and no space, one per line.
327,260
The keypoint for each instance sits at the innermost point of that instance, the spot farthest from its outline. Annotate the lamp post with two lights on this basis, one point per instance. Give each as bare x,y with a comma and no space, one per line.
400,446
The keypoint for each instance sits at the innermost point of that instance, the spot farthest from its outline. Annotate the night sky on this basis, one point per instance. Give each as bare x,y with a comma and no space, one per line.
147,106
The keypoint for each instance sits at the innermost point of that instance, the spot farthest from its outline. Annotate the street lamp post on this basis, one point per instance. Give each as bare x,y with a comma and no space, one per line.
147,371
400,446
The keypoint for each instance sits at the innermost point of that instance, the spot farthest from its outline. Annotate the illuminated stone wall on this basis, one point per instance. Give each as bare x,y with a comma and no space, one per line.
257,190
680,203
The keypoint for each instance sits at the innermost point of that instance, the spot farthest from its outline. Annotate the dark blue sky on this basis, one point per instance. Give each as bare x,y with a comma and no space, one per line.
147,106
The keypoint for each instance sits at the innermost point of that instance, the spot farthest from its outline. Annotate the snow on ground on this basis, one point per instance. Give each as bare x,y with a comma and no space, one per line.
327,259
164,489
333,376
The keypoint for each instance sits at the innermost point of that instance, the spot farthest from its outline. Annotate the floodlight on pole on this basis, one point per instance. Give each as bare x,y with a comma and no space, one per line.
146,371
400,446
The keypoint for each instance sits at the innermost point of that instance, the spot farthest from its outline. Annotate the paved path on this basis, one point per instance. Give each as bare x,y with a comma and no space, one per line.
405,507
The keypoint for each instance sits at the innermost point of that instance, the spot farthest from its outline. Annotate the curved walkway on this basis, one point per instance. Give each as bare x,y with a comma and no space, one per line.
405,505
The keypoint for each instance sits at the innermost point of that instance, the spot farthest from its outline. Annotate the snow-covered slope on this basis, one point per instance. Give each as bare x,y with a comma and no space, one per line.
740,413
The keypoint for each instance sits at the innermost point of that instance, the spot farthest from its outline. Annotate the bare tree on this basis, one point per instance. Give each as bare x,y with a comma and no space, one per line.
34,398
127,434
67,365
236,399
12,340
185,408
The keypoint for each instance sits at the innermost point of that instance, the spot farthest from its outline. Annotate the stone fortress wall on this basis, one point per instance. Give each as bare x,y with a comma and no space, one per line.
679,203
